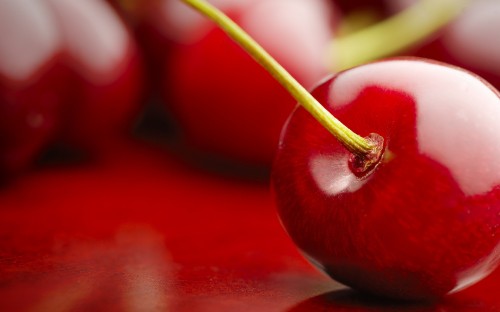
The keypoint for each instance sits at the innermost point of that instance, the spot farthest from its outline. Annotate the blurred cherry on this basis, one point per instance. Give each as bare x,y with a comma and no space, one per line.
471,41
224,104
106,85
68,70
32,84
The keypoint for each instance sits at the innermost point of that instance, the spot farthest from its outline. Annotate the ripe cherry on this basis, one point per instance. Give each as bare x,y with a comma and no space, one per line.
426,220
411,211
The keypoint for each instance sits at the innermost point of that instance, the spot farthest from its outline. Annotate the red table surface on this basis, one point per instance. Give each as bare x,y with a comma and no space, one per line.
145,231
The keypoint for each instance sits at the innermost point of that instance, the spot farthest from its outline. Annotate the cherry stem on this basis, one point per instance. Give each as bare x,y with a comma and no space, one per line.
394,34
353,142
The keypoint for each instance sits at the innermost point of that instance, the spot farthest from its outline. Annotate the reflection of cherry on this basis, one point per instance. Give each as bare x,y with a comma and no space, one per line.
425,222
350,301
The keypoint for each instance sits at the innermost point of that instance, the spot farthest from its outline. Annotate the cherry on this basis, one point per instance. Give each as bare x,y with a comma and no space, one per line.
426,220
200,75
67,70
31,83
106,79
410,211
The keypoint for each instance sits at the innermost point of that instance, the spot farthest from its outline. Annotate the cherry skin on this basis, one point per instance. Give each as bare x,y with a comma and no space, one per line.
206,79
425,221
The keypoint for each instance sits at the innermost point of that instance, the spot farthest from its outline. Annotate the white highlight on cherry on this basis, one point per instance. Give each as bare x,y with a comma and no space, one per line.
30,38
455,114
93,35
333,175
295,32
303,26
183,24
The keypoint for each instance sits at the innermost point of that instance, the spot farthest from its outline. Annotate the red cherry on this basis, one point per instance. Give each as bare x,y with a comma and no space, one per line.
425,221
67,67
411,211
205,80
106,72
31,83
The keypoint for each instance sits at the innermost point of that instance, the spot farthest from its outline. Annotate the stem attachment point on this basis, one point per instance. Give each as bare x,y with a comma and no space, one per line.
361,165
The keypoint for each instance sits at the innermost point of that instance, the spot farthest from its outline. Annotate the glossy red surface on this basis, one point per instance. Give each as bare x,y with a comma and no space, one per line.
145,231
426,221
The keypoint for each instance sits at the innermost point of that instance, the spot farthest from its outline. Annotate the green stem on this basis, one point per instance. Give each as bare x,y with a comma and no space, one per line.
353,142
394,34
